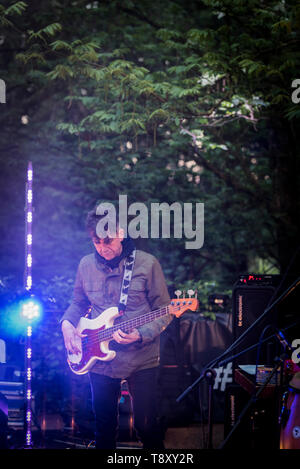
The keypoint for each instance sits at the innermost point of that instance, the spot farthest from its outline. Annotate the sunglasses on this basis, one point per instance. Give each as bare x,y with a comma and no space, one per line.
106,240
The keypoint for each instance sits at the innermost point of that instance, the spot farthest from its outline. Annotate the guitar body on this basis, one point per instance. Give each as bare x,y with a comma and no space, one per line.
98,332
91,348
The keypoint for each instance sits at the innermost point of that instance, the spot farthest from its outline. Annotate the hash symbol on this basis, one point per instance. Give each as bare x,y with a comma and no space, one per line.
223,376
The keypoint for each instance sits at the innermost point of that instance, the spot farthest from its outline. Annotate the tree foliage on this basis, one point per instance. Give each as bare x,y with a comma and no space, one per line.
186,101
189,102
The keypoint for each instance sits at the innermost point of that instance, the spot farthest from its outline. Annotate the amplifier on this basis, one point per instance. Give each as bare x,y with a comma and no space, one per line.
251,295
259,279
248,303
3,422
14,396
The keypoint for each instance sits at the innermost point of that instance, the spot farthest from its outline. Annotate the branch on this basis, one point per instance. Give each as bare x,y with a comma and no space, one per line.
226,177
226,119
139,16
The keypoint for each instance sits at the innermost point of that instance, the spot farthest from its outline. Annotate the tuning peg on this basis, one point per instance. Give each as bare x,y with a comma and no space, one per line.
178,293
190,293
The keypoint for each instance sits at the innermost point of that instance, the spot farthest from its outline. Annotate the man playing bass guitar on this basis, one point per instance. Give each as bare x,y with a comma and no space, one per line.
97,286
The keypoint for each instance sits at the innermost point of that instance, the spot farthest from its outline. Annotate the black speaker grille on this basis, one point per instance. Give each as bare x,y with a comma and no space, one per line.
249,303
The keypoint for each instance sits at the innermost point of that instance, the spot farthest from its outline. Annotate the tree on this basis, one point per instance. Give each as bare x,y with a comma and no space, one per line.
180,102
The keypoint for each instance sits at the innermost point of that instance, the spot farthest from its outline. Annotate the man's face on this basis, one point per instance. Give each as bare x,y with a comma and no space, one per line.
110,246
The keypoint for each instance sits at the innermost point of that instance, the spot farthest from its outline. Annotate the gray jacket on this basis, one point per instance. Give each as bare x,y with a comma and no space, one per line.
99,286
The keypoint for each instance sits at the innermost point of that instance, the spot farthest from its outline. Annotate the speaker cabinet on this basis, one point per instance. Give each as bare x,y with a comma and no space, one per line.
257,429
3,422
249,303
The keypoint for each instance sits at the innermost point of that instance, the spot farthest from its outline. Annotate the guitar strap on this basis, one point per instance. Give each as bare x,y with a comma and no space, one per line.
129,264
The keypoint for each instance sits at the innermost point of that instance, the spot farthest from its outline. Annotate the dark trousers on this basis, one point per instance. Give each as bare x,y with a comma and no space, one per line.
106,393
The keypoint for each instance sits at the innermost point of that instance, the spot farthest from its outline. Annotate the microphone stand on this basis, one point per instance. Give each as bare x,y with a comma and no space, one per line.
216,361
210,375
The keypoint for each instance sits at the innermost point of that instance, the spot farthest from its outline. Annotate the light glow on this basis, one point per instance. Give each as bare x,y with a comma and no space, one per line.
28,437
31,309
29,282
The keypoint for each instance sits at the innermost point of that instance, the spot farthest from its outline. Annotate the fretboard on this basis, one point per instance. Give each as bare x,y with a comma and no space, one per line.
130,324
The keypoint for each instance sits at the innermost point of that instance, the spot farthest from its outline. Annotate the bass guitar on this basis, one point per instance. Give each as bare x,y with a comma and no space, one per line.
99,332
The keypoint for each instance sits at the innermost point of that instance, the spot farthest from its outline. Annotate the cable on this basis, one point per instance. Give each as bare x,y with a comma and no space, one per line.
260,341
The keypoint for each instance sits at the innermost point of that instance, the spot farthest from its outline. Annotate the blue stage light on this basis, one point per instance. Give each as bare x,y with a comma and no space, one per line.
31,309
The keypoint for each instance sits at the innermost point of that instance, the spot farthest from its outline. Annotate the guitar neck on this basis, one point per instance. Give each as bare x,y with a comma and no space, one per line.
128,326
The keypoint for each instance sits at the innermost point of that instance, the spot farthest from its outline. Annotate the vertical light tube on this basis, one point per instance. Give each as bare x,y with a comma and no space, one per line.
28,224
28,286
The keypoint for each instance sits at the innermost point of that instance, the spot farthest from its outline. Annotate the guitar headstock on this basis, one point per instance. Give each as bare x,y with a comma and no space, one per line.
178,306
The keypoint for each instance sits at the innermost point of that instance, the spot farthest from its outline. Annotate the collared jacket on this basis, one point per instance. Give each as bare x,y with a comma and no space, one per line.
99,286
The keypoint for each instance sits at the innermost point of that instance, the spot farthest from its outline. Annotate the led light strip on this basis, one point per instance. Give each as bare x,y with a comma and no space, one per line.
28,309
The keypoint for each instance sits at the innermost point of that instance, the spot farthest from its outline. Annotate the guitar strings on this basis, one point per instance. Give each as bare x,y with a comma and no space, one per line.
106,334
